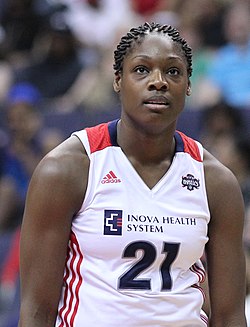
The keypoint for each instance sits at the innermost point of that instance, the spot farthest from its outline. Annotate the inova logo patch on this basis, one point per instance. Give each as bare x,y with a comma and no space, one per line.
190,182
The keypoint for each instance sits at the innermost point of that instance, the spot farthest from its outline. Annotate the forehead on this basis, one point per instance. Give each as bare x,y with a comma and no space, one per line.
157,45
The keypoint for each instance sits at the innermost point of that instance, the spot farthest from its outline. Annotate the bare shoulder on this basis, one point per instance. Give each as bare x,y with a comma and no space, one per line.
68,157
63,171
223,190
216,172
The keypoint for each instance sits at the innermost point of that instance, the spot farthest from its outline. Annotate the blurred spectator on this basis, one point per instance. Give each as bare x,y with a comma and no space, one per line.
20,25
19,159
211,24
56,66
161,11
25,146
22,150
202,56
217,120
94,22
206,16
98,93
145,8
230,68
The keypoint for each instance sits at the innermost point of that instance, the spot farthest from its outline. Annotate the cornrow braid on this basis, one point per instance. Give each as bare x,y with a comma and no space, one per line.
136,34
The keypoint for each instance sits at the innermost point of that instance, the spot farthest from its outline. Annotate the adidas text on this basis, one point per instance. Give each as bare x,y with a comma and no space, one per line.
113,180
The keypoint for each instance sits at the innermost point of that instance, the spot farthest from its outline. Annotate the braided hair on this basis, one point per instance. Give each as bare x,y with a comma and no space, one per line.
135,35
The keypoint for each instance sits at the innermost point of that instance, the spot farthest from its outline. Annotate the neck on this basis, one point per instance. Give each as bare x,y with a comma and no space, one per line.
146,147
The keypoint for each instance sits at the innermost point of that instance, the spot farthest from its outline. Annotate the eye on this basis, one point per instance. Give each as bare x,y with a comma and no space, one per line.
173,71
141,70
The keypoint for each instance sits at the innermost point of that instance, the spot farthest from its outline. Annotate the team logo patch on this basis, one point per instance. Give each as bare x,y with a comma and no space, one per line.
190,182
112,222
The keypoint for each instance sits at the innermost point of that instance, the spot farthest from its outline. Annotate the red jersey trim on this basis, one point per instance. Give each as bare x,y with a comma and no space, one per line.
99,137
191,147
68,311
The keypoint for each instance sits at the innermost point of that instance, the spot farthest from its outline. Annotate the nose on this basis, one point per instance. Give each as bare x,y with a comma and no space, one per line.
158,81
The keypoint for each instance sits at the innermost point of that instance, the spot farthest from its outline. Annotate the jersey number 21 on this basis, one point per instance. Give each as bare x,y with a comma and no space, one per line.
129,281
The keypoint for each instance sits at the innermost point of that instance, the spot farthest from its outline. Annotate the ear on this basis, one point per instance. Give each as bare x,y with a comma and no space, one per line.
189,91
117,83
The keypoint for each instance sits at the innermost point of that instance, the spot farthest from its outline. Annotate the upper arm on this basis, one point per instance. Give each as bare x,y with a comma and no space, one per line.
55,194
225,256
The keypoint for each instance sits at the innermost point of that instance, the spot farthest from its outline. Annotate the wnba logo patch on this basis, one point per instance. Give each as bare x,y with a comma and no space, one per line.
112,222
190,182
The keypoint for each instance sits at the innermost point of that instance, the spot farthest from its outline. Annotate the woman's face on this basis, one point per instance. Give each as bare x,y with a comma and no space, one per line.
153,83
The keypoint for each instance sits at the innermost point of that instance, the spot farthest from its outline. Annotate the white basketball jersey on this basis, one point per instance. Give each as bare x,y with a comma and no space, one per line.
134,253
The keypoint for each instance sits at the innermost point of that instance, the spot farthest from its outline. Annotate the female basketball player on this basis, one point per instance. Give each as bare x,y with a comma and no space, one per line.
119,215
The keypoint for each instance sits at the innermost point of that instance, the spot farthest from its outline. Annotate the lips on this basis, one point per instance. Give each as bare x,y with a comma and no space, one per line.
157,100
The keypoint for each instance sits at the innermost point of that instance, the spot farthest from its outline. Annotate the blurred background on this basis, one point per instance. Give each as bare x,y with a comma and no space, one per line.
56,74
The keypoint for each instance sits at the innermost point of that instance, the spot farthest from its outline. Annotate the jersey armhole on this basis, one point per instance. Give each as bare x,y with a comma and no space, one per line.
82,136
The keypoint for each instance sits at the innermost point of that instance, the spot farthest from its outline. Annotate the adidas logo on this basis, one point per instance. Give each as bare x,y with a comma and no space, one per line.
110,178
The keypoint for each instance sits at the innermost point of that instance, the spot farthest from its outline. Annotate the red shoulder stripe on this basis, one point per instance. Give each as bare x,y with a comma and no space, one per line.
191,147
99,137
